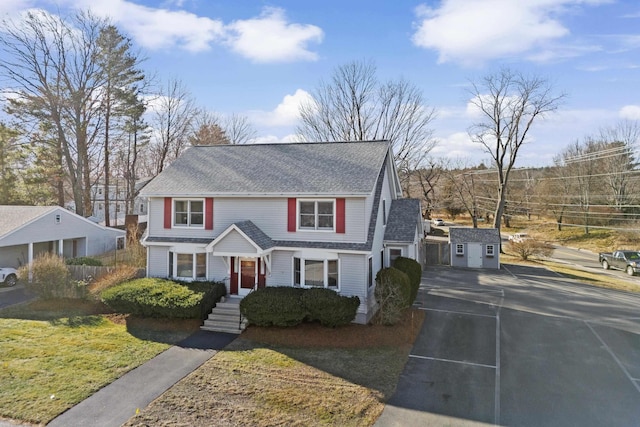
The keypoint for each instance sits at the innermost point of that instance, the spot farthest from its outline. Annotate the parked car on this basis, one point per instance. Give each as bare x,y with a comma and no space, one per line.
8,276
438,222
628,261
518,237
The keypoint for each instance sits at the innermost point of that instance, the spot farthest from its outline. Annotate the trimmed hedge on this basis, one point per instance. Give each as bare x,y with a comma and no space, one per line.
274,306
287,306
84,261
329,308
413,269
154,297
393,292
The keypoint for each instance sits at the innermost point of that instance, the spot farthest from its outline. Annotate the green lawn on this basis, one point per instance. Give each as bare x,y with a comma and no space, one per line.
58,353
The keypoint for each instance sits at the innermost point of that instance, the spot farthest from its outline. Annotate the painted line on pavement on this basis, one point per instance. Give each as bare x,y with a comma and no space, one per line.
457,312
460,362
606,347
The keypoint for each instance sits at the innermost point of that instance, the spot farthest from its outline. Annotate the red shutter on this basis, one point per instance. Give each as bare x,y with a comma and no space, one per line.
291,214
208,213
167,212
340,216
234,278
262,278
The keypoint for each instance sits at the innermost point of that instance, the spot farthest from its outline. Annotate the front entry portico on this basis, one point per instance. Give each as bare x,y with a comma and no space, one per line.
246,275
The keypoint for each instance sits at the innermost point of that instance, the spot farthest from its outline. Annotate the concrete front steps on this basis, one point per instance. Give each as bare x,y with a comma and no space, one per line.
225,317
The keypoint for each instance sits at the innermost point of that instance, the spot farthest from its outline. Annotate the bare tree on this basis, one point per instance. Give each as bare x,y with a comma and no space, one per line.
460,184
50,65
617,160
355,106
174,113
238,129
509,103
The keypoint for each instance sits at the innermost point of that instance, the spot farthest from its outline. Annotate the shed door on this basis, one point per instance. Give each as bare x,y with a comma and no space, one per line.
474,255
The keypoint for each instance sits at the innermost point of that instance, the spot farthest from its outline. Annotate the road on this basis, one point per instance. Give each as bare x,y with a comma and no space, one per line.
11,296
588,260
520,346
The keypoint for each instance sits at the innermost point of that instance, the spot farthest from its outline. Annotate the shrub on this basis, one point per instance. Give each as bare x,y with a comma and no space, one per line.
413,269
524,249
84,261
329,308
50,279
153,297
274,306
392,293
121,274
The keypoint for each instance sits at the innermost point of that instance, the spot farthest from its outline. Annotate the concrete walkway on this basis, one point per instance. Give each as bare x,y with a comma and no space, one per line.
114,404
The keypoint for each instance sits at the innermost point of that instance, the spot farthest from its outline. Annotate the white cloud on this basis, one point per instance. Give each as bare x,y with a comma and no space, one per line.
266,38
270,38
285,113
630,112
471,32
457,145
10,7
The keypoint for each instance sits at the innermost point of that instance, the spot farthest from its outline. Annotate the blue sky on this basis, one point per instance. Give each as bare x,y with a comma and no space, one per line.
261,58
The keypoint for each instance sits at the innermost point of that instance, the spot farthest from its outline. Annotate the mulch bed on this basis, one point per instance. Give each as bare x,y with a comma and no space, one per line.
350,336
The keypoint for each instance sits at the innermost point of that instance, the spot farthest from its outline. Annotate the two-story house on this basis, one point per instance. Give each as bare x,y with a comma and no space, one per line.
302,214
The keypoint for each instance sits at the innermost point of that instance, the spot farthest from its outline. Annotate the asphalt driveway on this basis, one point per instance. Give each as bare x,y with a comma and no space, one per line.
521,347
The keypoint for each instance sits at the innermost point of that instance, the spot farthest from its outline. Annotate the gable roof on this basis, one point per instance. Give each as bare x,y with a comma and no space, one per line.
404,218
13,217
474,235
334,168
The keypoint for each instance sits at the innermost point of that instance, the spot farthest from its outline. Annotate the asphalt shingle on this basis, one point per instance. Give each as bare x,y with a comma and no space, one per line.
404,215
299,168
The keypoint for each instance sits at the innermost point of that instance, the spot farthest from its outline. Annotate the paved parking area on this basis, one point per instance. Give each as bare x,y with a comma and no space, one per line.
522,347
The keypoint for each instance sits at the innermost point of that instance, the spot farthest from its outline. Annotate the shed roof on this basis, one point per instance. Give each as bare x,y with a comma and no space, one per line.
474,235
335,168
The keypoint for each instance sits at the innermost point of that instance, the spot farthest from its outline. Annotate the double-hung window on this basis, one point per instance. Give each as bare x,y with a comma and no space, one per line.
490,250
316,273
459,249
191,266
316,214
188,213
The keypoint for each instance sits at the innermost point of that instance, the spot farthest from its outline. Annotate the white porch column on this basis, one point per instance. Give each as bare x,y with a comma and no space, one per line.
61,248
30,260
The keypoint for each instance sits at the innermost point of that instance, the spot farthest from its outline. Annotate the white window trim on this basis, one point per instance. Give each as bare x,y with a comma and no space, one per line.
459,249
492,252
316,229
389,249
325,273
188,225
193,277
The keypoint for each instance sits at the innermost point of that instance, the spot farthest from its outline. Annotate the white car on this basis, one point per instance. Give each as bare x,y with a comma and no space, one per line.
8,276
519,237
438,222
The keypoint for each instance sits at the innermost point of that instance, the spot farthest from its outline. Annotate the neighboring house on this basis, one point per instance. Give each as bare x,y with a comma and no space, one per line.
27,231
305,214
117,201
474,247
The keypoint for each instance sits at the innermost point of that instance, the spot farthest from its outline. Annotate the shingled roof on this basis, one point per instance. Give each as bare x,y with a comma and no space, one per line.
335,168
404,215
13,217
474,235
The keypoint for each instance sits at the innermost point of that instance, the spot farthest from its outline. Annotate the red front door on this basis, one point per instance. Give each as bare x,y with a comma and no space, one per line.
247,275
